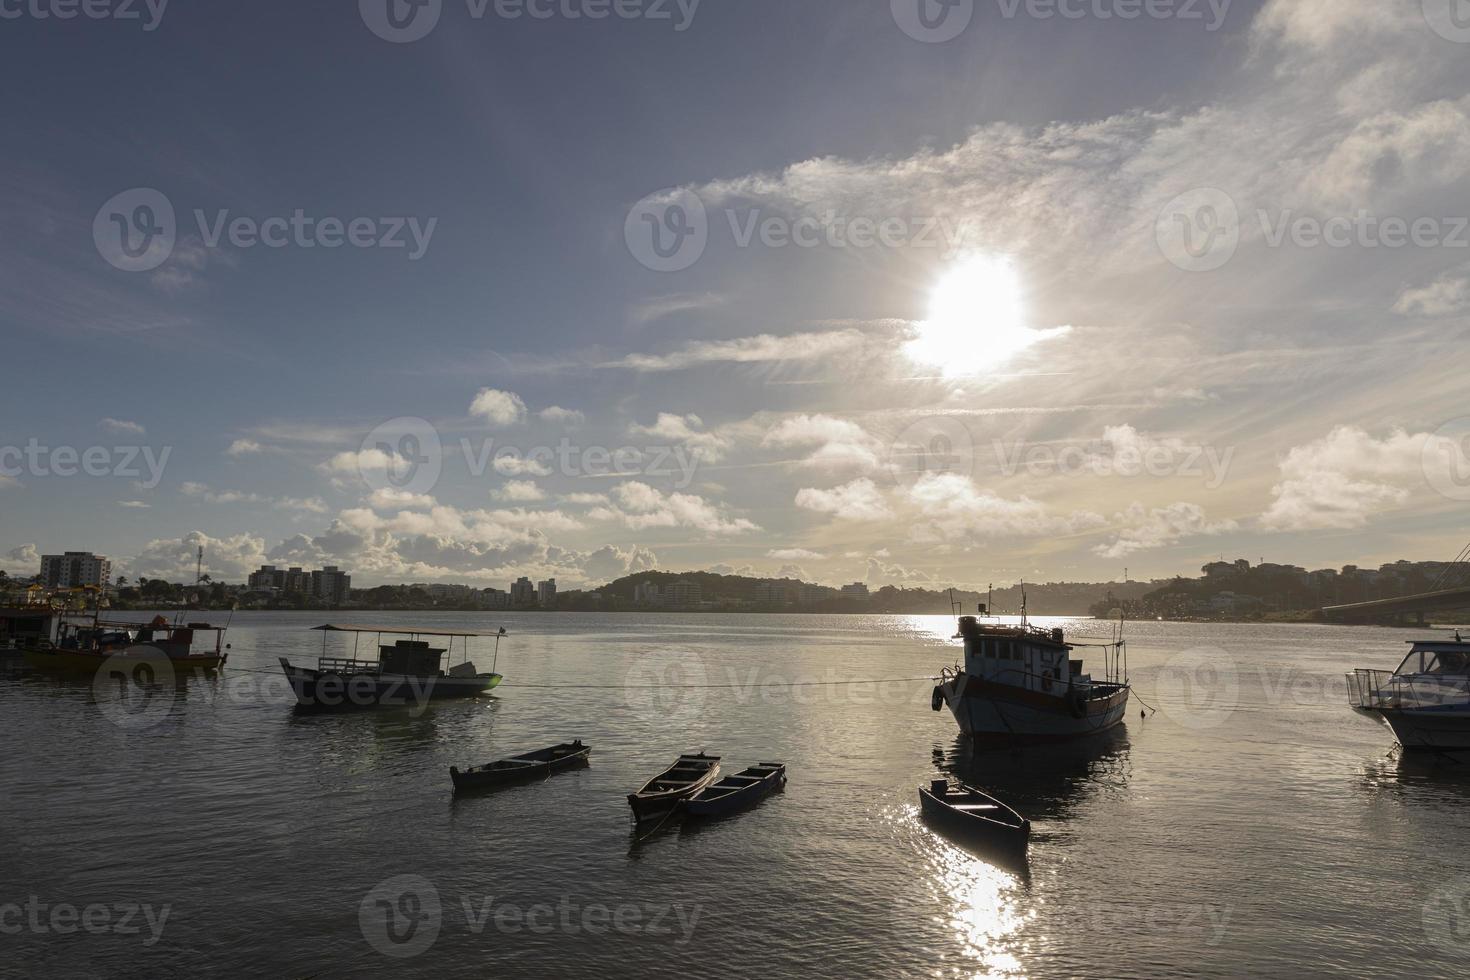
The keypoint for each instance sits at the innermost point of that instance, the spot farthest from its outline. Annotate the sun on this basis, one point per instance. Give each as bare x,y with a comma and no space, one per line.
977,319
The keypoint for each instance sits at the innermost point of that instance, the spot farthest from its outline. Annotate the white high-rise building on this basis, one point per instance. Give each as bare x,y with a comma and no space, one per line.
74,570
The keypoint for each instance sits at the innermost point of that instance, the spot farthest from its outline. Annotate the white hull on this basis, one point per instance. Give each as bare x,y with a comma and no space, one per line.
1022,714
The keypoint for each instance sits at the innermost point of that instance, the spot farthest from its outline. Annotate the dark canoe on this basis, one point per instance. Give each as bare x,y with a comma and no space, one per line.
664,792
977,818
522,768
737,792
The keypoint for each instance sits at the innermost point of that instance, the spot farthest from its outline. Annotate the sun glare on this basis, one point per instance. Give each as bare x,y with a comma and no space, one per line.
977,319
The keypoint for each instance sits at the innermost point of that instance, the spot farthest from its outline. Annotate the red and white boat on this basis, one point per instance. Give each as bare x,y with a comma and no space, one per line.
1020,682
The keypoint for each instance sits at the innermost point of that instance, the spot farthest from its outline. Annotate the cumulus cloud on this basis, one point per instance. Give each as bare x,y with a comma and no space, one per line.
953,503
387,498
26,559
859,500
792,572
1449,295
794,554
687,431
229,558
833,442
881,572
499,408
641,506
513,464
1342,480
244,447
202,491
764,348
563,416
134,504
123,426
520,491
1159,526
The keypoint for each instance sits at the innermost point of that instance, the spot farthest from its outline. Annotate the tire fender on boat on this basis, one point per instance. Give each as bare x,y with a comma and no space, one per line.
937,701
1077,704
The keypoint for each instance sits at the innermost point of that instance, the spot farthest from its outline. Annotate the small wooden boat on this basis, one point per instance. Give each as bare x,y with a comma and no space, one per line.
662,794
977,817
744,789
522,768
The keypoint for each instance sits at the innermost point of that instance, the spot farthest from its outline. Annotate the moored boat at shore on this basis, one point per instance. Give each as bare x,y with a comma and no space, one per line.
84,647
1426,701
1020,682
407,672
738,792
974,817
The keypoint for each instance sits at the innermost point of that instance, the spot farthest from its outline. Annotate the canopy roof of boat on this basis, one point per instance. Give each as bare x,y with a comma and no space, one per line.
403,630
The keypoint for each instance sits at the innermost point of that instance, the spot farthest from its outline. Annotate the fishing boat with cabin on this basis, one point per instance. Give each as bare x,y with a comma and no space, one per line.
1020,683
84,647
406,672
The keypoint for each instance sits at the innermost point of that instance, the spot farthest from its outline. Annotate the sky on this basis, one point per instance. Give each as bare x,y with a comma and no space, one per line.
895,291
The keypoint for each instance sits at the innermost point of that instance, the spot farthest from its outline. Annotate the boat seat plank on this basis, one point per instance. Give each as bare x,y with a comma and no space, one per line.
972,806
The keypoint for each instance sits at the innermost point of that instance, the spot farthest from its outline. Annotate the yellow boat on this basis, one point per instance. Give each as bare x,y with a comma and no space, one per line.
85,647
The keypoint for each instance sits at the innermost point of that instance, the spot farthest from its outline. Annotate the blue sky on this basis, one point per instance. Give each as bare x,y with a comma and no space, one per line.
1033,374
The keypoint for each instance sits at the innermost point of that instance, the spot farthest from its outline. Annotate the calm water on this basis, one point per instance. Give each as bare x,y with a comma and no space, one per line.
1255,826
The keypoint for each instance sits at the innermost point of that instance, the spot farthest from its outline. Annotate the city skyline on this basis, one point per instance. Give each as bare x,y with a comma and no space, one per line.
1009,331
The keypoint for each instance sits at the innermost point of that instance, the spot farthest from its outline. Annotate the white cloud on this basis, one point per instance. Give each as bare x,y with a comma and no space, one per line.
512,464
387,498
952,503
687,431
641,506
886,573
658,307
1159,526
748,350
201,491
794,554
1342,480
244,447
586,499
569,417
859,500
230,558
793,572
499,408
835,442
134,504
1449,295
123,426
744,571
520,491
26,557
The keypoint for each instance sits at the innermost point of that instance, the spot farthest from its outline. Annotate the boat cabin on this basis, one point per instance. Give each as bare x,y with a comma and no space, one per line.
410,657
1448,658
26,626
1021,656
103,636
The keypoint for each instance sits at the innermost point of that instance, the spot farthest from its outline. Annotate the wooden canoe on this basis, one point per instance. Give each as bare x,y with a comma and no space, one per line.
976,817
744,789
540,764
664,792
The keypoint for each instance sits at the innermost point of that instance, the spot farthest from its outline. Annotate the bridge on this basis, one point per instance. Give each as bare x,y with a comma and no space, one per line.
1402,610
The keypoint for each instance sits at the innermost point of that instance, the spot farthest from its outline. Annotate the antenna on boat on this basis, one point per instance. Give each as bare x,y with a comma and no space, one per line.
955,607
1023,603
496,660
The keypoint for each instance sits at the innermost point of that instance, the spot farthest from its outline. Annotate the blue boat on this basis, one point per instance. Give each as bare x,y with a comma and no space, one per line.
737,792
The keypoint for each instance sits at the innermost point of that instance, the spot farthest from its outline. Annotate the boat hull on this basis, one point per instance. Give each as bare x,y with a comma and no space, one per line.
1004,836
741,799
990,711
325,691
81,662
1429,729
652,803
483,779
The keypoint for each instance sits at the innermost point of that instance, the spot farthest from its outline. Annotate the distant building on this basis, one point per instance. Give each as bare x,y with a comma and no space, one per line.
447,593
331,585
74,570
497,599
523,592
685,594
296,581
266,578
648,594
546,593
813,594
856,591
